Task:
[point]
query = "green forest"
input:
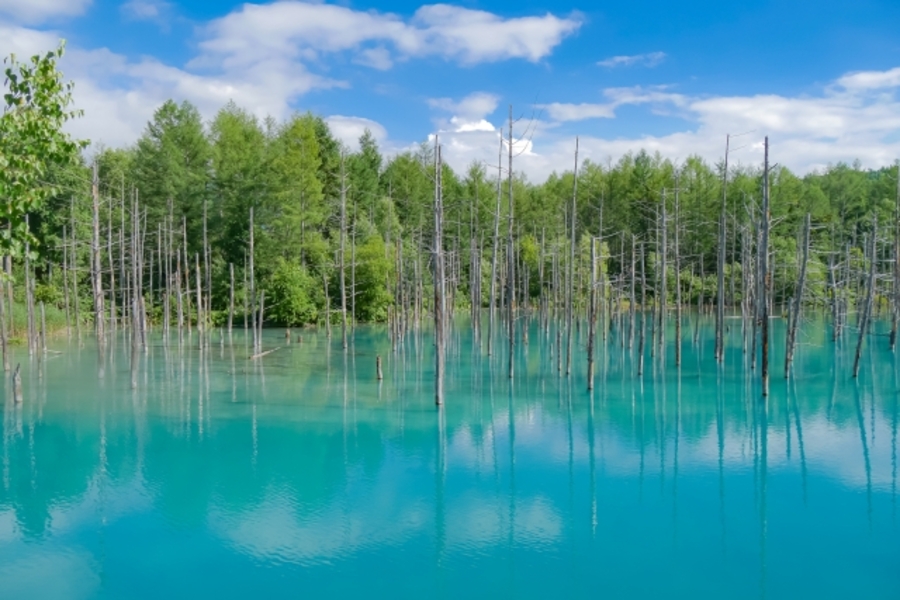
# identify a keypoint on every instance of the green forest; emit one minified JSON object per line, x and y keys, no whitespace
{"x":338,"y":232}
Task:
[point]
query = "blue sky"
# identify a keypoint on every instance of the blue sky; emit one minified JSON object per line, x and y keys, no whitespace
{"x":820,"y":78}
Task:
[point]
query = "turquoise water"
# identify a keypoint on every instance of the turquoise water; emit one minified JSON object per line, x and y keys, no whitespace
{"x":299,"y":475}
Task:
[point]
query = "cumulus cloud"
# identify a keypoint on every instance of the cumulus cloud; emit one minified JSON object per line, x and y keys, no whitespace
{"x":870,"y":80}
{"x":266,"y":56}
{"x":23,"y":41}
{"x":146,"y":10}
{"x":349,"y":129}
{"x":256,"y":32}
{"x":616,"y":97}
{"x":468,"y":114}
{"x":650,"y":59}
{"x":377,"y":58}
{"x":39,"y":11}
{"x":855,"y":117}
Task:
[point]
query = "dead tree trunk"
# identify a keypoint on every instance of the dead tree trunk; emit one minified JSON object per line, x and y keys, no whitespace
{"x":201,"y":328}
{"x":256,"y":341}
{"x":43,"y":329}
{"x":510,"y":255}
{"x":439,"y":299}
{"x":870,"y":298}
{"x":206,"y":269}
{"x":342,"y":261}
{"x":663,"y":283}
{"x":112,"y":266}
{"x":96,"y":268}
{"x":677,"y":280}
{"x":230,"y":296}
{"x":570,"y":304}
{"x":495,"y":249}
{"x":798,"y":303}
{"x":29,"y":292}
{"x":592,"y":316}
{"x":643,"y":331}
{"x":261,"y":317}
{"x":895,"y":315}
{"x":720,"y":264}
{"x":632,"y":297}
{"x":4,"y":341}
{"x":765,"y":278}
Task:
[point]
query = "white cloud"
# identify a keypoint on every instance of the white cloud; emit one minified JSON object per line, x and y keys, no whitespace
{"x":349,"y":129}
{"x":40,"y":11}
{"x":468,"y":114}
{"x":145,"y":10}
{"x":477,"y":36}
{"x":856,"y":117}
{"x":255,"y":33}
{"x":265,"y":57}
{"x":24,"y":42}
{"x":616,"y":97}
{"x":650,"y":59}
{"x":871,"y":80}
{"x":560,"y":111}
{"x":475,"y":106}
{"x":377,"y":58}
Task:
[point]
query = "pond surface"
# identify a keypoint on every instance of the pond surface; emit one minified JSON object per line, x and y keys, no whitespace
{"x":300,"y":475}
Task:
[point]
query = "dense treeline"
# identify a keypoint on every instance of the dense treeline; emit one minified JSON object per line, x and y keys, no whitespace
{"x":194,"y":184}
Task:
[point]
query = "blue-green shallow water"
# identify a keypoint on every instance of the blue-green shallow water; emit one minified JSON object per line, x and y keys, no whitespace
{"x":300,"y":476}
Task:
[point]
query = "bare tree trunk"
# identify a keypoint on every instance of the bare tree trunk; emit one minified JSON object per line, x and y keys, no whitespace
{"x":206,"y":268}
{"x":495,"y":249}
{"x":230,"y":297}
{"x":895,"y":315}
{"x":29,"y":292}
{"x":201,"y":328}
{"x":343,"y":266}
{"x":643,"y":333}
{"x":663,"y":284}
{"x":677,"y":279}
{"x":43,"y":329}
{"x":123,"y":279}
{"x":699,"y":303}
{"x":164,"y":279}
{"x":570,"y":305}
{"x":439,"y":299}
{"x":352,"y":315}
{"x":798,"y":302}
{"x":256,"y":341}
{"x":592,"y":318}
{"x":179,"y":301}
{"x":327,"y":307}
{"x":112,"y":267}
{"x":832,"y":288}
{"x":870,"y":297}
{"x":4,"y":340}
{"x":65,"y":245}
{"x":557,"y":284}
{"x":96,"y":268}
{"x":135,"y":302}
{"x":632,"y":298}
{"x":261,"y":317}
{"x":765,"y":277}
{"x":166,"y":274}
{"x":73,"y":263}
{"x":510,"y":255}
{"x":601,"y":280}
{"x":720,"y":274}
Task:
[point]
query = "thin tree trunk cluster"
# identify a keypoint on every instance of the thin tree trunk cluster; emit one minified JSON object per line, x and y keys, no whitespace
{"x":132,"y":275}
